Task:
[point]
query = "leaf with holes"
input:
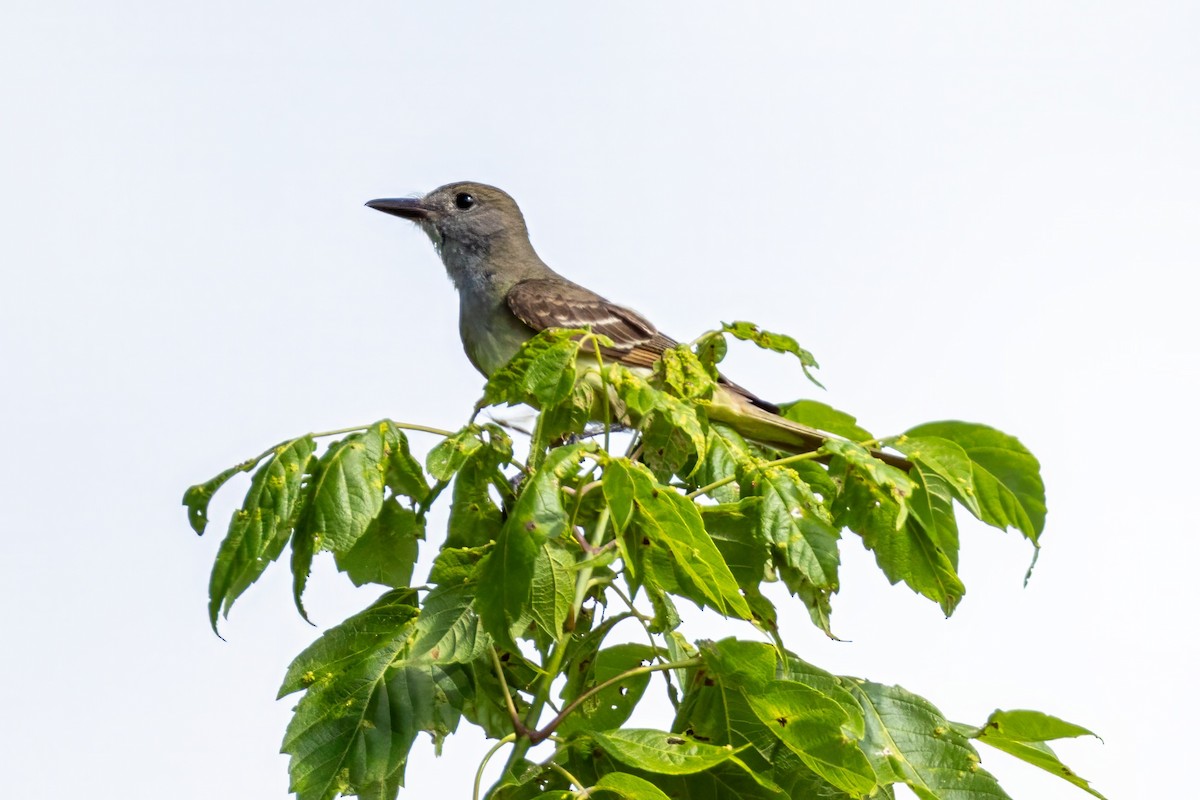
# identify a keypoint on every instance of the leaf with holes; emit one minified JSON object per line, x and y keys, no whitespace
{"x":612,"y":706}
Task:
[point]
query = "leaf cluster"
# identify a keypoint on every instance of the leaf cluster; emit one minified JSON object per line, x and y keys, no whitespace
{"x":513,"y":628}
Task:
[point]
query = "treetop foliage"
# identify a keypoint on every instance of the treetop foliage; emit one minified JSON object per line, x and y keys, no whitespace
{"x":543,"y":559}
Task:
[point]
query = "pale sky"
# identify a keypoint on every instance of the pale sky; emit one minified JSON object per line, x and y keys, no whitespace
{"x":965,"y":210}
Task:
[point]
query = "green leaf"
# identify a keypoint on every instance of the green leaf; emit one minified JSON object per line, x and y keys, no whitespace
{"x":475,"y":518}
{"x":1006,"y":475}
{"x":831,"y":686}
{"x":882,"y":478}
{"x":484,"y":707}
{"x":733,"y":781}
{"x":667,"y":519}
{"x":673,"y":437}
{"x":875,"y":502}
{"x":610,"y":707}
{"x":528,"y":781}
{"x":197,"y":497}
{"x":507,"y":572}
{"x":735,"y":530}
{"x":947,"y":460}
{"x":793,"y":520}
{"x":541,"y":372}
{"x":902,"y":547}
{"x":762,"y":611}
{"x":568,"y":421}
{"x":711,"y":349}
{"x":360,"y":638}
{"x":815,"y":728}
{"x":673,"y":431}
{"x":448,"y":630}
{"x":1023,"y":725}
{"x":680,"y":373}
{"x":456,"y":565}
{"x":539,"y":510}
{"x":816,"y":414}
{"x":909,"y":741}
{"x":633,"y":391}
{"x":346,"y":490}
{"x":798,"y":781}
{"x":619,"y":492}
{"x":715,"y":708}
{"x":777,"y":342}
{"x":933,"y":511}
{"x":403,"y":473}
{"x":448,"y":456}
{"x":345,"y":494}
{"x":304,"y":548}
{"x":659,"y":751}
{"x":1024,"y":734}
{"x":728,"y":780}
{"x":260,"y":529}
{"x":666,"y":615}
{"x":726,"y":454}
{"x":552,"y":589}
{"x":551,"y":373}
{"x":804,"y":543}
{"x":387,"y":550}
{"x":743,"y":663}
{"x":581,"y":652}
{"x":628,"y":786}
{"x":349,"y":729}
{"x":823,"y":730}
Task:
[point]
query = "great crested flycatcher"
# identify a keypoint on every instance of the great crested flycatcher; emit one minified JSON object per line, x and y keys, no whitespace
{"x":506,"y":294}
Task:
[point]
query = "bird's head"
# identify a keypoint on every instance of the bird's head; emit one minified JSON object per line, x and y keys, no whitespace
{"x":466,"y":216}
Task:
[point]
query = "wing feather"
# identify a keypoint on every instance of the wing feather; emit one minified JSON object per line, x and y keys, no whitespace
{"x":541,"y":303}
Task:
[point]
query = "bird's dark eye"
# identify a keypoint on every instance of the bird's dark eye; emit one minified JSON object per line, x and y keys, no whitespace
{"x":464,"y":200}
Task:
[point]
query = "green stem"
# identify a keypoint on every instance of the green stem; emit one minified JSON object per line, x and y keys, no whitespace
{"x":580,"y":493}
{"x":585,"y":575}
{"x":562,"y":771}
{"x":488,"y":757}
{"x":658,"y":651}
{"x":408,"y":426}
{"x":526,"y":740}
{"x":551,"y":668}
{"x":554,"y":662}
{"x":519,"y":728}
{"x":428,"y":502}
{"x":537,"y":446}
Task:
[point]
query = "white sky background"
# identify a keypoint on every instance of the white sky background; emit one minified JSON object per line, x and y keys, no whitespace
{"x":976,"y":211}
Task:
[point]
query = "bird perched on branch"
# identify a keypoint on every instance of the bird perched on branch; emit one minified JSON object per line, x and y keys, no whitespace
{"x":507,"y":294}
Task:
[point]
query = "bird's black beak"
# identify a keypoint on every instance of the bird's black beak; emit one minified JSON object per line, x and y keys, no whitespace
{"x":405,"y":207}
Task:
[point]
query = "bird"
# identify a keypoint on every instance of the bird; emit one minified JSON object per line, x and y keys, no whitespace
{"x":507,"y":294}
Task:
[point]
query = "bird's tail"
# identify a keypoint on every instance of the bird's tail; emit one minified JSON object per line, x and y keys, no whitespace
{"x":773,"y":430}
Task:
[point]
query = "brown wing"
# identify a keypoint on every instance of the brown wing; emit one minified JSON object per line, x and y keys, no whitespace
{"x":541,"y":304}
